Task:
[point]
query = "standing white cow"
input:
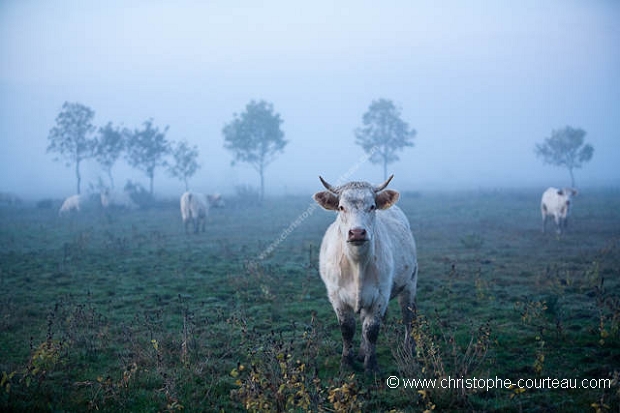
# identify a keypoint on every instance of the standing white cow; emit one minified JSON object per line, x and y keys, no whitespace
{"x":557,"y":204}
{"x":72,"y":203}
{"x":368,"y":256}
{"x":195,"y":207}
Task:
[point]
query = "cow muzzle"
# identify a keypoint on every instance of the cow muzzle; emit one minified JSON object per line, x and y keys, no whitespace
{"x":357,"y":236}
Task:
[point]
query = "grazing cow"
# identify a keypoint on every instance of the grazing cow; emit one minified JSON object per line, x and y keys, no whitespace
{"x":557,"y":204}
{"x":195,"y":207}
{"x":72,"y":203}
{"x":117,"y":199}
{"x":368,"y":256}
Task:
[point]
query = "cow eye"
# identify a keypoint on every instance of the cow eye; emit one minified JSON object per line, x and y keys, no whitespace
{"x":340,"y":208}
{"x":372,"y":207}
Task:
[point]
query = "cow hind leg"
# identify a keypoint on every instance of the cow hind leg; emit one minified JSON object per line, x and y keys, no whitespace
{"x":407,"y":303}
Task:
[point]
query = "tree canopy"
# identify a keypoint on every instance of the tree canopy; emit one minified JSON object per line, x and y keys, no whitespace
{"x":255,"y":137}
{"x":384,"y":133}
{"x":71,"y":137}
{"x":565,"y":148}
{"x":147,"y":149}
{"x":109,"y":145}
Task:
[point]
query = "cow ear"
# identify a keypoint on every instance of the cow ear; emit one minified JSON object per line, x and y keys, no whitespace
{"x":327,"y":200}
{"x":575,"y":192}
{"x":560,"y":192}
{"x":387,"y":198}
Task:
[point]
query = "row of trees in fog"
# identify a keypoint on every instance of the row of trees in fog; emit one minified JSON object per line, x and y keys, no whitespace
{"x":254,"y":137}
{"x":75,"y":139}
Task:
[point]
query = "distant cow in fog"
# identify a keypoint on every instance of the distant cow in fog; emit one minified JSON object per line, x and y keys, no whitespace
{"x":195,"y":207}
{"x":368,"y":256}
{"x":111,"y":198}
{"x":72,"y":203}
{"x":556,"y":203}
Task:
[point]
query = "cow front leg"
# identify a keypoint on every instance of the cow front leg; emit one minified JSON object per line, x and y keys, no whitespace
{"x":558,"y":224}
{"x":371,"y":324}
{"x":346,"y":320}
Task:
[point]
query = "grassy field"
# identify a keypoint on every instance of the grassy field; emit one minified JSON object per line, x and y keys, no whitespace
{"x":125,"y":312}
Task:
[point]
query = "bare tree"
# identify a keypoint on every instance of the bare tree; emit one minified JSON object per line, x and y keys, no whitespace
{"x":71,"y":137}
{"x":565,"y":147}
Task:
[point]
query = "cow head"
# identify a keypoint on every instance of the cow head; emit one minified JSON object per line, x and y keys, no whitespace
{"x":356,"y":203}
{"x":216,"y":201}
{"x":565,"y":196}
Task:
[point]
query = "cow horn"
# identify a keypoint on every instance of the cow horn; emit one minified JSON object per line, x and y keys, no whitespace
{"x":328,"y":186}
{"x":381,"y":187}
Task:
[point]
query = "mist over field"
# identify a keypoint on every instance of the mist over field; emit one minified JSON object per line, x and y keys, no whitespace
{"x":480,"y":82}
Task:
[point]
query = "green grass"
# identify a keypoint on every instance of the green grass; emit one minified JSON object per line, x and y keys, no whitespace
{"x":124,"y":312}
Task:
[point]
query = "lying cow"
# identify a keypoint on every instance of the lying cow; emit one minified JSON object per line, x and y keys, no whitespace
{"x":556,"y":203}
{"x":195,"y":208}
{"x":72,"y":203}
{"x":368,"y":256}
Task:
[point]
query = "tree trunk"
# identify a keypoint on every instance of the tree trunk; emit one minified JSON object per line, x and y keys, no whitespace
{"x":262,"y":183}
{"x":151,"y":176}
{"x":77,"y":175}
{"x":111,"y":179}
{"x":186,"y":185}
{"x":572,"y":177}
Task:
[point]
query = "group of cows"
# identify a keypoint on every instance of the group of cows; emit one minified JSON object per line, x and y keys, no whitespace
{"x":108,"y":198}
{"x":194,"y":205}
{"x":367,"y":255}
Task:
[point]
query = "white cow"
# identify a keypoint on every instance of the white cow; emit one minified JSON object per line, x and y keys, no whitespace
{"x":368,"y":256}
{"x":195,"y":207}
{"x":117,"y":199}
{"x":72,"y":203}
{"x":557,"y":204}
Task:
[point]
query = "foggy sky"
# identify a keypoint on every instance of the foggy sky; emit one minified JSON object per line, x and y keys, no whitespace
{"x":481,"y":82}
